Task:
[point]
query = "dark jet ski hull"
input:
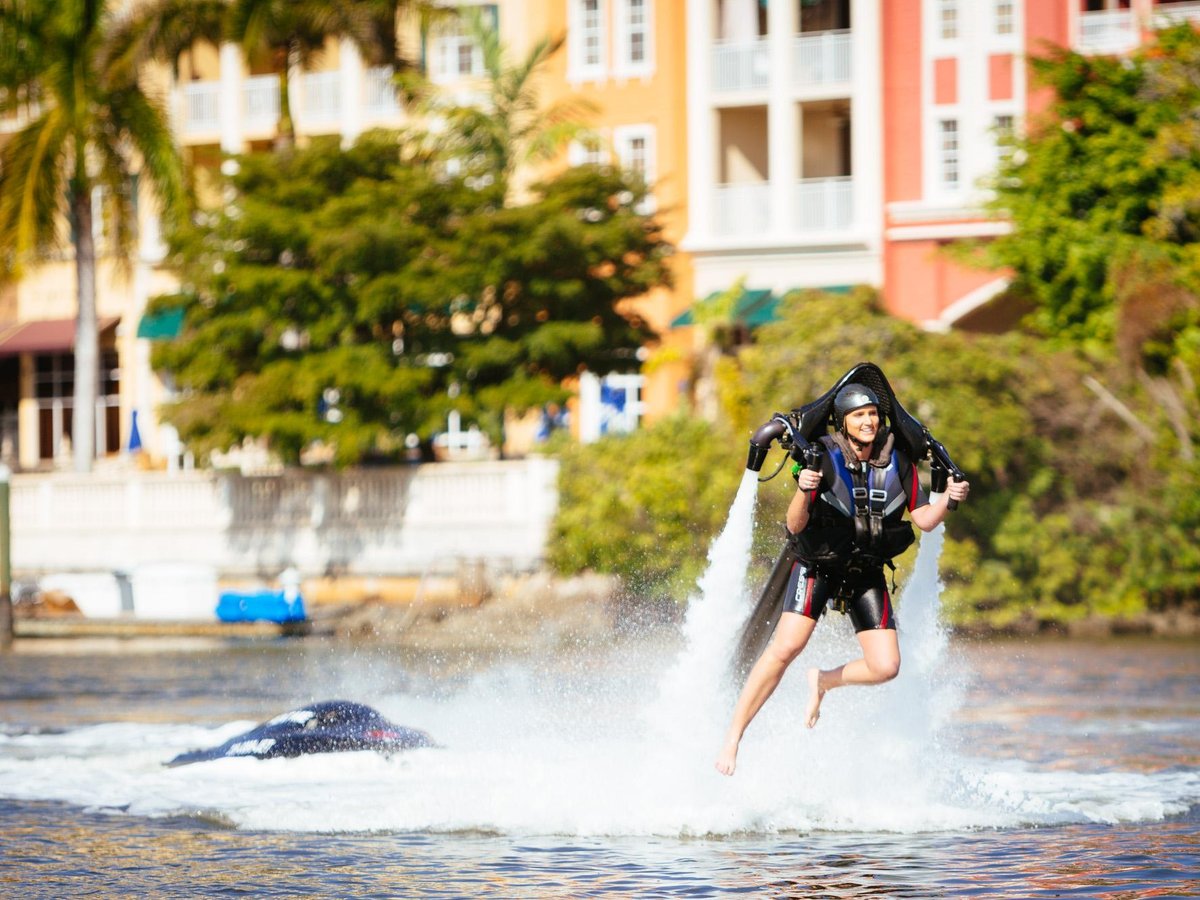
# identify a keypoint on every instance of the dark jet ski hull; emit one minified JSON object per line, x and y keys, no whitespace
{"x":334,"y":726}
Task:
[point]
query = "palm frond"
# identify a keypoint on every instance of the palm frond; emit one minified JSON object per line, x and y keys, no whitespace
{"x":33,"y":187}
{"x":162,"y":30}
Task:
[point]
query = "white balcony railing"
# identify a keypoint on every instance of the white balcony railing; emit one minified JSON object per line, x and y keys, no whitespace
{"x":320,"y":97}
{"x":824,"y":205}
{"x":821,"y":59}
{"x":201,"y":106}
{"x":741,"y":66}
{"x":261,"y":97}
{"x":1107,"y":31}
{"x":742,"y":209}
{"x":380,"y":92}
{"x":1172,"y":13}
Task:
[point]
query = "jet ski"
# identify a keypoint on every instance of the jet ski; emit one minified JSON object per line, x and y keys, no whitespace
{"x":333,"y":726}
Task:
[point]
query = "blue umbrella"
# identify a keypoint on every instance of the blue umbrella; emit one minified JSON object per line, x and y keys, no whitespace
{"x":135,"y":436}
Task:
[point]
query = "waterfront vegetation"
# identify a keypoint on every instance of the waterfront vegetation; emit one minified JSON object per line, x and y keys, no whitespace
{"x":1075,"y":513}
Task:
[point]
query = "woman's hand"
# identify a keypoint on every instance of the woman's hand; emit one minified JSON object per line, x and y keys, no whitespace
{"x":958,"y":490}
{"x":808,"y":480}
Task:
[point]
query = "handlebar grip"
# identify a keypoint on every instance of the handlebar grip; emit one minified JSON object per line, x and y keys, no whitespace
{"x":953,"y":504}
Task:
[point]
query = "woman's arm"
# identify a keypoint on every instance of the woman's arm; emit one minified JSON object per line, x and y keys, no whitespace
{"x":798,"y":509}
{"x":931,"y":515}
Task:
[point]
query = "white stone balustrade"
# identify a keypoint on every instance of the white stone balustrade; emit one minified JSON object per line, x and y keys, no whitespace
{"x":742,"y":209}
{"x":1107,"y":31}
{"x":413,"y":520}
{"x":821,"y":59}
{"x":261,"y":99}
{"x":320,"y":98}
{"x":824,"y":205}
{"x":740,"y":66}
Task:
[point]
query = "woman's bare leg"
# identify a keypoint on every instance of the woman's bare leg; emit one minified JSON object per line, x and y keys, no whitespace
{"x":880,"y":662}
{"x":791,"y":634}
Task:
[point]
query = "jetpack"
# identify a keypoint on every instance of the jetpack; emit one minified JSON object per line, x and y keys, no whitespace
{"x":798,"y":433}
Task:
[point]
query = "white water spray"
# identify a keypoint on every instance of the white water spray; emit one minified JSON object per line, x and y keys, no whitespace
{"x":693,"y":691}
{"x":618,"y":745}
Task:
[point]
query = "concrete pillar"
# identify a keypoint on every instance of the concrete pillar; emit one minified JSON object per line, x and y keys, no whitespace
{"x":229,"y":104}
{"x":866,"y":119}
{"x":702,"y":120}
{"x":350,"y":84}
{"x":782,"y":146}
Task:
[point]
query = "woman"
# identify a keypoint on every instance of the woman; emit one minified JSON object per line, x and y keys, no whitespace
{"x":846,"y":522}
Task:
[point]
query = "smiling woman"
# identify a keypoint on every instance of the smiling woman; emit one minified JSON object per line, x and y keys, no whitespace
{"x":845,"y":523}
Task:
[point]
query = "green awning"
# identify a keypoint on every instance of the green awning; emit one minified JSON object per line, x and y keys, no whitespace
{"x":746,"y":305}
{"x":754,"y":308}
{"x":161,"y":325}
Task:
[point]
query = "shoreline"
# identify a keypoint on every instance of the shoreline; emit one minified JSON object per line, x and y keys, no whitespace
{"x":534,"y":612}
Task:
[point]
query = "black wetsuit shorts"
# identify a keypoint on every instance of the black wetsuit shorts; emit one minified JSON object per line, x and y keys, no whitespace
{"x":810,"y":589}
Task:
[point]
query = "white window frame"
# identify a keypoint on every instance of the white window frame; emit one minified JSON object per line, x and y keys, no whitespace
{"x":999,"y":153}
{"x":445,"y":42}
{"x":954,"y":156}
{"x":626,"y":66}
{"x":941,"y":8}
{"x":591,"y":149}
{"x":579,"y":68}
{"x":999,"y":18}
{"x":624,"y":137}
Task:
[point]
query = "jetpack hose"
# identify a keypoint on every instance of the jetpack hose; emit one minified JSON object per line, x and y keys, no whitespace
{"x":756,"y":633}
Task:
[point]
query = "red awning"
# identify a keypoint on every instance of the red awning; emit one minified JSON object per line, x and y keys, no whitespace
{"x":45,"y":336}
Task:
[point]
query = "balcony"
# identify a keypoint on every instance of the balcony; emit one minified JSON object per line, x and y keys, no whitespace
{"x":1173,"y":13}
{"x":317,"y":103}
{"x":821,"y":208}
{"x":320,"y":99}
{"x":742,"y":209}
{"x":824,"y":205}
{"x":740,"y":66}
{"x":380,"y":99}
{"x":821,"y":59}
{"x":201,"y":107}
{"x":260,"y":98}
{"x":1107,"y":31}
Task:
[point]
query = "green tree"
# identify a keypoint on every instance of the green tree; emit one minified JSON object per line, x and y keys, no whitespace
{"x":92,"y":125}
{"x":646,"y":505}
{"x":285,"y":33}
{"x":1106,"y":179}
{"x":410,"y":293}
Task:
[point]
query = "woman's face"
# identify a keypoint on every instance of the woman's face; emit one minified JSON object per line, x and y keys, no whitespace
{"x":863,"y":424}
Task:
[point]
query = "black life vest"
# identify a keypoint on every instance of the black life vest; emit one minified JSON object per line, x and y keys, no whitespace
{"x":858,"y":519}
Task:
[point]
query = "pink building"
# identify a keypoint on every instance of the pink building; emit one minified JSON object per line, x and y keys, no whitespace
{"x":839,"y":142}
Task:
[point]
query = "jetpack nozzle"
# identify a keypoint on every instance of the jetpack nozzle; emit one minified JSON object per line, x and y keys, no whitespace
{"x":761,"y":440}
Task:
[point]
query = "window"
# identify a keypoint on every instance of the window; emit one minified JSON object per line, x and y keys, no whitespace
{"x":634,"y":147}
{"x":947,"y":21}
{"x":1002,"y":129}
{"x":634,"y":35}
{"x":948,"y":153}
{"x":587,"y":150}
{"x":586,"y":48}
{"x":1004,"y":16}
{"x":453,"y":55}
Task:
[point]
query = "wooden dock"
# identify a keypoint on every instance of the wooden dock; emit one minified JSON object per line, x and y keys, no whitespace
{"x":80,"y":627}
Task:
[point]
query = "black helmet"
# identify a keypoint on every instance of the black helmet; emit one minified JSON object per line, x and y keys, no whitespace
{"x":853,"y":396}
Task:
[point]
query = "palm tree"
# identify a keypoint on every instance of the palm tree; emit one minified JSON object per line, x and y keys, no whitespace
{"x":510,"y":128}
{"x":92,"y":126}
{"x":289,"y":33}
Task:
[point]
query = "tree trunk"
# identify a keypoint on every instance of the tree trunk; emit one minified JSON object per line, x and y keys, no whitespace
{"x":285,"y":132}
{"x":87,"y":340}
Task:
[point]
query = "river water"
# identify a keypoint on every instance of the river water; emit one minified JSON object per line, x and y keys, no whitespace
{"x":1004,"y":769}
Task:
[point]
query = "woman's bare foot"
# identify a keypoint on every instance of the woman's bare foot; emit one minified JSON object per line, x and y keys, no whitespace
{"x":727,"y":761}
{"x":815,"y":695}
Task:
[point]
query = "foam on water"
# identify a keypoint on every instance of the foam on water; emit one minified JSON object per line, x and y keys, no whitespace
{"x":622,"y":745}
